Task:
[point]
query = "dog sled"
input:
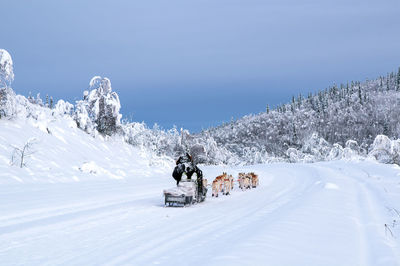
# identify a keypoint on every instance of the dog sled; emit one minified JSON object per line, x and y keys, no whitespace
{"x":187,"y":192}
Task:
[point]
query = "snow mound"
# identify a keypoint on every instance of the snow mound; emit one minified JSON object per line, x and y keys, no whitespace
{"x":92,"y":168}
{"x":331,"y":186}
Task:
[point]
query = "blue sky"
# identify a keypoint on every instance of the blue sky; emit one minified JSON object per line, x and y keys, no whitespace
{"x":198,"y":63}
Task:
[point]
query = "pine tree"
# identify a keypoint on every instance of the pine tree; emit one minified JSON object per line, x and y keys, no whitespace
{"x":47,"y":100}
{"x":387,"y":83}
{"x":38,"y":100}
{"x":398,"y":80}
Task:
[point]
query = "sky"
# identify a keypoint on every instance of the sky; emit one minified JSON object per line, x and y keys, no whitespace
{"x":196,"y":64}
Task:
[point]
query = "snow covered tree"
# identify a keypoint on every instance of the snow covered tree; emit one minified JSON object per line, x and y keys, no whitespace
{"x":396,"y":151}
{"x":51,"y":104}
{"x":7,"y":95}
{"x":6,"y":69}
{"x":81,"y":116}
{"x":336,"y":153}
{"x":39,"y":100}
{"x":198,"y":153}
{"x":351,"y":150}
{"x":63,"y":108}
{"x":99,"y":108}
{"x":381,"y":149}
{"x":398,"y":80}
{"x":293,"y":154}
{"x":317,"y":146}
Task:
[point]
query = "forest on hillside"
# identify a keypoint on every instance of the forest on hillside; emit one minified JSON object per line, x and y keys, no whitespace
{"x":357,"y":111}
{"x":356,"y":119}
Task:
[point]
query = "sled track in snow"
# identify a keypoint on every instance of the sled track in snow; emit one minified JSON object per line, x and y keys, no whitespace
{"x":223,"y":227}
{"x":306,"y":214}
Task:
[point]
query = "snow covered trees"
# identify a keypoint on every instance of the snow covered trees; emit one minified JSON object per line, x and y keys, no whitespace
{"x":6,"y":69}
{"x":338,"y":122}
{"x":356,"y":111}
{"x":81,"y":115}
{"x":64,"y":108}
{"x":385,"y":150}
{"x":7,"y":95}
{"x":336,"y":152}
{"x":99,"y":108}
{"x":317,"y":147}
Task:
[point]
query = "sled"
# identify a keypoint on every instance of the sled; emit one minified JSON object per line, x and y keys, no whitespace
{"x":186,"y":193}
{"x":178,"y":200}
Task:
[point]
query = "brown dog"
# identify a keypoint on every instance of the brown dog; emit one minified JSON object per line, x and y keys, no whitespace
{"x":254,"y":180}
{"x":218,"y":185}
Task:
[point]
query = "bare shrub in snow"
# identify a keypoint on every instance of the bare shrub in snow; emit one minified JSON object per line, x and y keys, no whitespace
{"x":20,"y":154}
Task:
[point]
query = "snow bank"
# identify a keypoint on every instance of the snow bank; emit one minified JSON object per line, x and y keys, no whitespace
{"x":65,"y":153}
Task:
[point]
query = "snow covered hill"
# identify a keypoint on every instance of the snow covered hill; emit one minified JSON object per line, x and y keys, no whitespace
{"x":333,"y":213}
{"x":61,"y":152}
{"x":357,"y":112}
{"x":337,"y":123}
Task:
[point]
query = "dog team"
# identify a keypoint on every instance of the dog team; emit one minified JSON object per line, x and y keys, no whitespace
{"x":224,"y":183}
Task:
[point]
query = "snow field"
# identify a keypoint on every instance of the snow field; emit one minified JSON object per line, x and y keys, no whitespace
{"x":301,"y":214}
{"x":64,"y":153}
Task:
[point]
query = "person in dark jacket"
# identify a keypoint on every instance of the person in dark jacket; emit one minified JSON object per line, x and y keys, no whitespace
{"x":184,"y":159}
{"x":185,"y":165}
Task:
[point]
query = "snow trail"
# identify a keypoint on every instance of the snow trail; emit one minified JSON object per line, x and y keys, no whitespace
{"x":293,"y":218}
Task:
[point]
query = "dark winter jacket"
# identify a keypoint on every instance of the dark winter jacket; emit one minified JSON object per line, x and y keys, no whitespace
{"x":185,"y":165}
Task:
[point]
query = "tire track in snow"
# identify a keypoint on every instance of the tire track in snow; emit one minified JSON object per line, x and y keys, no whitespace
{"x":372,"y":237}
{"x":70,"y":215}
{"x":138,"y":231}
{"x":230,"y":230}
{"x":370,"y":215}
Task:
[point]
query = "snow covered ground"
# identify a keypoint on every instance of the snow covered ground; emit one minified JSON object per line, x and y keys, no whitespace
{"x":88,"y":201}
{"x":302,"y":214}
